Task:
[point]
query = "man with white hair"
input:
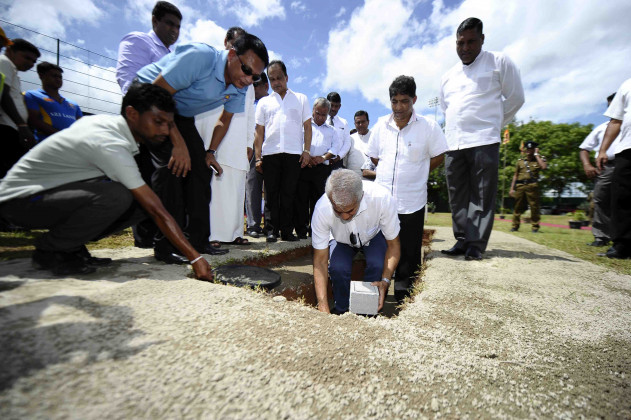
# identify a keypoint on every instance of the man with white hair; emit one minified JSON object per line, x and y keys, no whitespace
{"x":357,"y":215}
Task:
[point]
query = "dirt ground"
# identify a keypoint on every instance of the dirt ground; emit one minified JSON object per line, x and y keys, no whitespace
{"x":527,"y":332}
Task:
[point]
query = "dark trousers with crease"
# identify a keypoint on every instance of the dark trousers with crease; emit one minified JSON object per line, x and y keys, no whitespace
{"x":75,"y":213}
{"x":280,"y":175}
{"x":411,"y":238}
{"x":186,"y":198}
{"x":310,"y":189}
{"x":621,"y":202}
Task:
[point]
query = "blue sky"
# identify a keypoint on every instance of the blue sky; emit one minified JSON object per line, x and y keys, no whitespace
{"x":571,"y":54}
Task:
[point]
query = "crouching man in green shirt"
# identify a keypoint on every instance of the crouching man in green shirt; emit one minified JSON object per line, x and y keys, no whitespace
{"x":83,"y":184}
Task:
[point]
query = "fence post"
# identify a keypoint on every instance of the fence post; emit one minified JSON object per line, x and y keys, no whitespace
{"x":57,"y":51}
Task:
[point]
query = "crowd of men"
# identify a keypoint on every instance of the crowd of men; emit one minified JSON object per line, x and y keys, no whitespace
{"x":200,"y":137}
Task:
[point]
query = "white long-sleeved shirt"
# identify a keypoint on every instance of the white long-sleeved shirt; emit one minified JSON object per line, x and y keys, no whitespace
{"x":13,"y":81}
{"x":620,"y":109}
{"x":324,"y":139}
{"x":404,"y":158}
{"x":232,"y":151}
{"x":341,"y":125}
{"x":283,"y":120}
{"x":478,"y":99}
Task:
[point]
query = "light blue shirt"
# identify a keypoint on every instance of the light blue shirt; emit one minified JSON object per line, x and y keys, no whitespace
{"x":196,"y":72}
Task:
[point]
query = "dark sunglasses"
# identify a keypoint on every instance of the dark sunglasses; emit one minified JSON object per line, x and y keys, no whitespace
{"x":248,"y":71}
{"x":354,"y":239}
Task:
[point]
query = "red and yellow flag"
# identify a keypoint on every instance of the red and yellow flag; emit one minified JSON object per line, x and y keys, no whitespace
{"x":506,"y":137}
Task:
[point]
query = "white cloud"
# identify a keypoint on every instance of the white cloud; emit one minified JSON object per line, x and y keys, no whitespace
{"x":252,"y":12}
{"x":204,"y":31}
{"x":340,"y":13}
{"x":571,"y":54}
{"x":299,"y":79}
{"x":298,"y":6}
{"x":140,"y":11}
{"x":51,"y":17}
{"x":273,"y":55}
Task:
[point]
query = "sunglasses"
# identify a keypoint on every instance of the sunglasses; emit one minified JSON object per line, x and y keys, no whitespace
{"x":248,"y":71}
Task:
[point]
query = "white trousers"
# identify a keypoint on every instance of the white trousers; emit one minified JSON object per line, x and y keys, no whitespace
{"x":227,"y":204}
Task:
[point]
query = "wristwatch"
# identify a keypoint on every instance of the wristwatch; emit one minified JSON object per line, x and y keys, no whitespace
{"x":386,"y":280}
{"x":212,"y":152}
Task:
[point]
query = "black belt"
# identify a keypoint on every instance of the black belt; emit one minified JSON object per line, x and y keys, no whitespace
{"x":527,"y":181}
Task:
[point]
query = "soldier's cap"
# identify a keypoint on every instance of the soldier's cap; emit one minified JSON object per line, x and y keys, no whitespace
{"x":4,"y":40}
{"x":531,"y":144}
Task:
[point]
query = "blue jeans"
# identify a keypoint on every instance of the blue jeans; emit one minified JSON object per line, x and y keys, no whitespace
{"x":341,"y":262}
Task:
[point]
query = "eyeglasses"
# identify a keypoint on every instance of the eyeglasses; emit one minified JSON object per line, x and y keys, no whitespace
{"x":355,"y":239}
{"x":248,"y":71}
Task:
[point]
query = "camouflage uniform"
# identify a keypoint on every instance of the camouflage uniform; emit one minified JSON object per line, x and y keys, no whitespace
{"x":527,"y":191}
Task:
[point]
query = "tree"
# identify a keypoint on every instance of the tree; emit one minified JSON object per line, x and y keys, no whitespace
{"x":558,"y":143}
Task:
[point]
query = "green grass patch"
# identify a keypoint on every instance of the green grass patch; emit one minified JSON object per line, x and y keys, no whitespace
{"x":572,"y":241}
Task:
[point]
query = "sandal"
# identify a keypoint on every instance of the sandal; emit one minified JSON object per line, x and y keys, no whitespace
{"x":238,"y":241}
{"x":216,"y":244}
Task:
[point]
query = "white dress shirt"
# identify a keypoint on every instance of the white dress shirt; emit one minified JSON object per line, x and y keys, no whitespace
{"x":356,"y":157}
{"x":377,"y":212}
{"x":620,"y":109}
{"x":478,"y":99}
{"x":13,"y":81}
{"x":404,"y":158}
{"x":341,"y":125}
{"x":324,"y":139}
{"x":594,"y":139}
{"x":283,"y":120}
{"x":232,"y":151}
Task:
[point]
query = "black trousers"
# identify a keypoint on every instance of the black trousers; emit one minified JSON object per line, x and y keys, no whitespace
{"x":310,"y":188}
{"x":280,"y":175}
{"x":411,"y":238}
{"x":145,"y":231}
{"x":75,"y":213}
{"x":621,"y":201}
{"x":186,"y":198}
{"x":12,"y":149}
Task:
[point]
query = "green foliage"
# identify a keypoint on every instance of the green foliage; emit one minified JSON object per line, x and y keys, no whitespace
{"x":558,"y":143}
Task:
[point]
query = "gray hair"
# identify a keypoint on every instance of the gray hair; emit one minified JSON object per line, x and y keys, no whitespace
{"x":344,"y":187}
{"x":322,"y":102}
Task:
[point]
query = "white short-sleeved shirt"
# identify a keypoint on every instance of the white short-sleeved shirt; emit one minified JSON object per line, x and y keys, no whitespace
{"x":479,"y":98}
{"x":404,"y":158}
{"x":94,"y":146}
{"x":283,"y":120}
{"x":377,"y":212}
{"x":341,"y":126}
{"x":324,"y":139}
{"x":620,"y":109}
{"x":13,"y":81}
{"x":594,"y":139}
{"x":356,"y":157}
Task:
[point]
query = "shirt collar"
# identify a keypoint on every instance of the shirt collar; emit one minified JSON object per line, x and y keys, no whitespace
{"x":157,"y":40}
{"x":43,"y":92}
{"x":286,"y":93}
{"x":126,"y":131}
{"x":220,"y":67}
{"x":7,"y":59}
{"x":466,"y":66}
{"x":391,"y":122}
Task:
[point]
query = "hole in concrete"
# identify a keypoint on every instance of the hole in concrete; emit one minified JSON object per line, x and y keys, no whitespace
{"x":296,"y":270}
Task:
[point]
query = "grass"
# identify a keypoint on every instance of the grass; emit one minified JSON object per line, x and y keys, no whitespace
{"x":572,"y":241}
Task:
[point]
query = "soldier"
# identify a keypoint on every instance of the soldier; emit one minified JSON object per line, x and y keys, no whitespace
{"x":525,"y":185}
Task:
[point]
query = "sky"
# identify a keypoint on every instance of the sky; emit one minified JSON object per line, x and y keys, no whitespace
{"x":571,"y":53}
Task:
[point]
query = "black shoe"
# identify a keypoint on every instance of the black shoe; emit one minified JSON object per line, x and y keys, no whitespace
{"x":617,"y":253}
{"x":473,"y":253}
{"x":169,"y":257}
{"x":598,"y":243}
{"x":535,"y":231}
{"x":514,"y":229}
{"x":289,"y":238}
{"x":90,"y":260}
{"x":303,"y":235}
{"x":271,"y":237}
{"x":253,"y":233}
{"x":212,"y":250}
{"x":453,"y":251}
{"x":61,"y":263}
